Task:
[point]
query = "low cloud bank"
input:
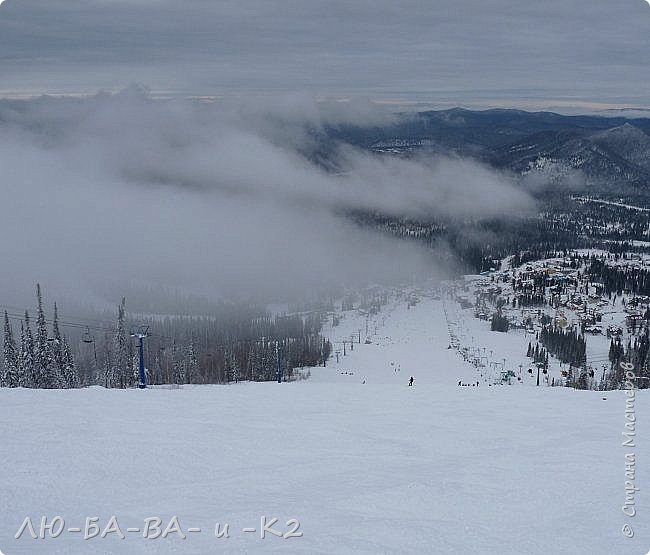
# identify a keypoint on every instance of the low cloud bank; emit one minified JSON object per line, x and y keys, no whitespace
{"x":215,"y":198}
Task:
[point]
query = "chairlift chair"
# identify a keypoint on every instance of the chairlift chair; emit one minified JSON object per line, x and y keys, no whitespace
{"x":86,"y":337}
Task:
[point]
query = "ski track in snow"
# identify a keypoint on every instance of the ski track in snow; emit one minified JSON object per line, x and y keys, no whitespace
{"x":611,"y":203}
{"x":369,"y":468}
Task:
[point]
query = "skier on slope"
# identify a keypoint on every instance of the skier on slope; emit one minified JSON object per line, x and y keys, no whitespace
{"x":411,"y":381}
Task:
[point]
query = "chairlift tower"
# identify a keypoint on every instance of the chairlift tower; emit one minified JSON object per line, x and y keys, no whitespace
{"x":141,"y":332}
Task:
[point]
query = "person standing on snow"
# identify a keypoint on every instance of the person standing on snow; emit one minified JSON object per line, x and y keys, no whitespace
{"x":411,"y":381}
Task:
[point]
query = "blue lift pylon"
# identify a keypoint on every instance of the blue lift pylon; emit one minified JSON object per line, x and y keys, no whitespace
{"x":141,"y":332}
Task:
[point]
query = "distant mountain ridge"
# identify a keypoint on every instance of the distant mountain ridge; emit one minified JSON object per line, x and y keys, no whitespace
{"x":607,"y":150}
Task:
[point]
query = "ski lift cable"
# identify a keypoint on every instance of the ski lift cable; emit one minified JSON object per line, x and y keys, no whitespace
{"x":72,"y":324}
{"x":66,"y":315}
{"x":62,"y":323}
{"x":81,"y":324}
{"x":88,"y":328}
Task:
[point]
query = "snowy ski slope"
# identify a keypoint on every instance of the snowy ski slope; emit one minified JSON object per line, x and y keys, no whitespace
{"x":374,"y":467}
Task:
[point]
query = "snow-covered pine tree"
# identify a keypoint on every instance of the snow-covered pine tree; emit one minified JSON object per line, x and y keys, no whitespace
{"x":271,"y":361}
{"x":22,"y":378}
{"x":135,"y":365}
{"x":10,"y":374}
{"x":178,"y":369}
{"x":251,"y":367}
{"x":110,"y":379}
{"x":122,"y":368}
{"x":256,"y":361}
{"x":191,"y":364}
{"x":232,"y":367}
{"x":26,"y":358}
{"x":68,"y":370}
{"x":56,"y":348}
{"x":45,"y":369}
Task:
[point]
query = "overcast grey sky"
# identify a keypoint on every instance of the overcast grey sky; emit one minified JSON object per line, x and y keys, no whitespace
{"x":495,"y":52}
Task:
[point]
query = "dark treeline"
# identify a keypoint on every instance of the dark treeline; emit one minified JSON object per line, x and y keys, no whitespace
{"x":563,"y":223}
{"x":539,"y":355}
{"x":223,"y":350}
{"x":635,"y":353}
{"x":242,"y":342}
{"x":617,"y":279}
{"x":567,"y":346}
{"x":499,"y":323}
{"x":527,"y":300}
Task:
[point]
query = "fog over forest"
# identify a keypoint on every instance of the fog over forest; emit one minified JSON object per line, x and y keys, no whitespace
{"x":114,"y":192}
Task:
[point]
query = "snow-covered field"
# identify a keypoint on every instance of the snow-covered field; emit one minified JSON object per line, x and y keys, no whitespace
{"x":374,"y":467}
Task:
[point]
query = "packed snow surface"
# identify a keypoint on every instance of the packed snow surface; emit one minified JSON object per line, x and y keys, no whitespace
{"x":374,"y":467}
